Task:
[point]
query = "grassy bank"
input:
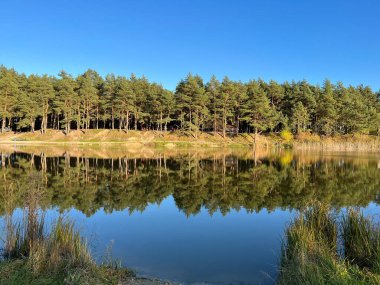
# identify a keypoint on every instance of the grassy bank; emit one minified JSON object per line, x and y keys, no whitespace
{"x":132,"y":138}
{"x":137,"y":139}
{"x":352,"y":143}
{"x":323,"y":248}
{"x":33,"y":256}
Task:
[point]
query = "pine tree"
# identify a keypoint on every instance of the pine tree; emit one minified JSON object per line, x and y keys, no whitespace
{"x":123,"y":102}
{"x":27,"y":96}
{"x":326,"y":110}
{"x":140,"y":89}
{"x":300,"y":119}
{"x":109,"y":99}
{"x":192,"y":103}
{"x":213,"y":93}
{"x":65,"y":99}
{"x":88,"y":100}
{"x":8,"y":93}
{"x":258,"y":112}
{"x":225,"y":103}
{"x":276,"y":93}
{"x":240,"y":98}
{"x":160,"y":106}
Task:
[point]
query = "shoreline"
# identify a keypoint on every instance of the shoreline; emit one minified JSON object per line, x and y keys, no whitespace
{"x":168,"y":140}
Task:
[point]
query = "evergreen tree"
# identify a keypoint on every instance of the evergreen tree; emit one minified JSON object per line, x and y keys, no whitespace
{"x":27,"y":96}
{"x":140,"y":89}
{"x":213,"y":93}
{"x":160,"y":106}
{"x":109,"y":103}
{"x":225,"y":103}
{"x":326,"y":114}
{"x":240,"y":98}
{"x":191,"y":100}
{"x":38,"y":102}
{"x":300,"y":119}
{"x":276,"y":93}
{"x":8,"y":93}
{"x":258,"y":113}
{"x":124,"y":102}
{"x":65,"y":99}
{"x":88,"y":100}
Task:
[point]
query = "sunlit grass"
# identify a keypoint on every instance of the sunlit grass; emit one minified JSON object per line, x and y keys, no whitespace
{"x":60,"y":256}
{"x":361,"y":238}
{"x":321,"y":247}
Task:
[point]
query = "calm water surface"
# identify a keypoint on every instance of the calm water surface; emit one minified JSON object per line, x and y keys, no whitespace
{"x":214,"y":217}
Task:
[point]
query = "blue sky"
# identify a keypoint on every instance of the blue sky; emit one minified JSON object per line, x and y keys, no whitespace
{"x":165,"y":40}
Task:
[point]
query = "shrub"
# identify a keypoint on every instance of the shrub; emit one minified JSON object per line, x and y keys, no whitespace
{"x":311,"y":255}
{"x":286,"y":135}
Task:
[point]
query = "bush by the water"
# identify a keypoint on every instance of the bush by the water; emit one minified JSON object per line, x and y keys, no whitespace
{"x":286,"y":135}
{"x":61,"y":256}
{"x":321,"y":247}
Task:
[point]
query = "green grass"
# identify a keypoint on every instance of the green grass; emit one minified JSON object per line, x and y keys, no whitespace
{"x":361,"y":238}
{"x":61,"y":256}
{"x":323,"y":248}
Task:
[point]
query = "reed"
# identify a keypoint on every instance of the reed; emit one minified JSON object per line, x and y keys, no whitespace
{"x":361,"y":238}
{"x":60,"y":256}
{"x":321,"y":247}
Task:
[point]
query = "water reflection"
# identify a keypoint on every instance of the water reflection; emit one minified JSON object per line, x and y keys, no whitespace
{"x":216,"y":182}
{"x":187,"y":215}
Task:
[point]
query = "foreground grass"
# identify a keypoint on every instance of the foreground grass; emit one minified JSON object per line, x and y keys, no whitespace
{"x":31,"y":256}
{"x":322,"y":248}
{"x":18,"y":271}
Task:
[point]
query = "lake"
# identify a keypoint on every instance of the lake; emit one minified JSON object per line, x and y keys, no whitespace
{"x":195,"y":216}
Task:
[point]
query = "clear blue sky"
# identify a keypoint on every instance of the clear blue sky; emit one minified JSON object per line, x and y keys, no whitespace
{"x":165,"y":40}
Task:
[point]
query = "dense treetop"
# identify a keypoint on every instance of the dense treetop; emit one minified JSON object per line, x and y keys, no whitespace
{"x":89,"y":101}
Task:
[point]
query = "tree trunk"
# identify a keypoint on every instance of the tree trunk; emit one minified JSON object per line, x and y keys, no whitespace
{"x":127,"y":122}
{"x":161,"y":121}
{"x":88,"y":118}
{"x":68,"y":123}
{"x":215,"y":130}
{"x":224,"y":123}
{"x":166,"y":125}
{"x":255,"y":137}
{"x":113,"y":119}
{"x":58,"y":122}
{"x":97,"y":117}
{"x":3,"y":124}
{"x":237,"y":125}
{"x":197,"y":126}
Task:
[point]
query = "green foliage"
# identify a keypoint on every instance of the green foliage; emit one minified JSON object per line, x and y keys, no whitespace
{"x":90,"y":101}
{"x":8,"y":93}
{"x":300,"y":118}
{"x":259,"y":113}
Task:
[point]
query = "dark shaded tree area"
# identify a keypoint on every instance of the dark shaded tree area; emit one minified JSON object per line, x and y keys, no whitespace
{"x":221,"y":184}
{"x":89,"y":101}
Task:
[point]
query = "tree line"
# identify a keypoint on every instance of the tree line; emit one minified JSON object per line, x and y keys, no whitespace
{"x":227,"y":107}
